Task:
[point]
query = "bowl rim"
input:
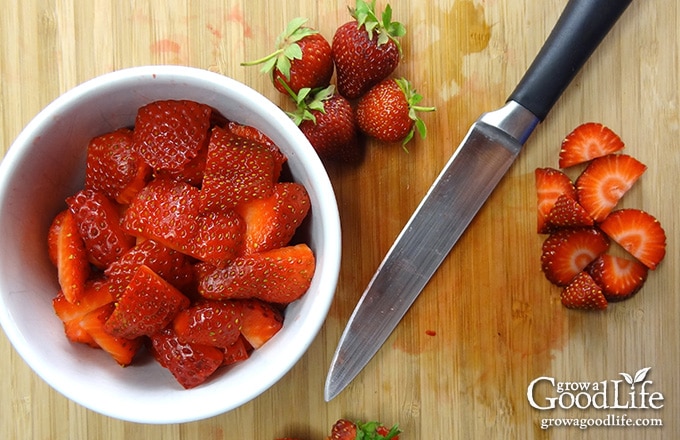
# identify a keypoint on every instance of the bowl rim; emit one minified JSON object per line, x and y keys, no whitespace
{"x":325,"y":278}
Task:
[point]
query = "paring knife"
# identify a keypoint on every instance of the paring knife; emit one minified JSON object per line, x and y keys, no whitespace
{"x":478,"y":164}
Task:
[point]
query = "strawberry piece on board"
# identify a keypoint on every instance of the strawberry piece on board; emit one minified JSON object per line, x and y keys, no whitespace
{"x":114,"y":167}
{"x":190,"y":364}
{"x":148,"y":305}
{"x":169,"y":134}
{"x":567,"y":252}
{"x":271,"y":222}
{"x":583,"y":293}
{"x":209,"y":322}
{"x":550,"y":184}
{"x":587,"y":142}
{"x":620,"y":278}
{"x":278,"y":276}
{"x":67,"y":251}
{"x":639,"y":233}
{"x":568,"y":213}
{"x":260,"y":321}
{"x":121,"y":349}
{"x":604,"y":182}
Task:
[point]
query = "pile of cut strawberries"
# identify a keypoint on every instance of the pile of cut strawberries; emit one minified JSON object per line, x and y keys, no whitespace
{"x":594,"y":251}
{"x":363,"y":53}
{"x":182,"y":240}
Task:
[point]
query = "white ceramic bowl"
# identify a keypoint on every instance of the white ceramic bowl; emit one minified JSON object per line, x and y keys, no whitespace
{"x":46,"y":163}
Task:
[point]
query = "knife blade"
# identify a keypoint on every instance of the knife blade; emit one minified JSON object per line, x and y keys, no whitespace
{"x":463,"y":186}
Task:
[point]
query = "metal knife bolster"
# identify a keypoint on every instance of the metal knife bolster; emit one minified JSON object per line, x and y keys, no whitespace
{"x":513,"y":119}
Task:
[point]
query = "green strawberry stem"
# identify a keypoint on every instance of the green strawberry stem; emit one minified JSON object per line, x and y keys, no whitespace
{"x":384,"y":27}
{"x":413,"y":98}
{"x":307,"y":100}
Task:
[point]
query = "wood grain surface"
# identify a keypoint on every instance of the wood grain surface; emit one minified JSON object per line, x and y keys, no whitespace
{"x":488,"y":324}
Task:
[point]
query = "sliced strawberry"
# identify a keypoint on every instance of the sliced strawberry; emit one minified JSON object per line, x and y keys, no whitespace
{"x":588,"y":141}
{"x":583,"y":293}
{"x":250,"y":132}
{"x":604,"y":182}
{"x":237,"y":352}
{"x":550,"y":184}
{"x":279,"y":276}
{"x":148,"y":305}
{"x":96,"y":294}
{"x":568,"y":251}
{"x":190,"y":364}
{"x":260,"y":321}
{"x":639,"y":233}
{"x":219,"y":238}
{"x":99,"y":226}
{"x":68,"y":251}
{"x":121,"y":349}
{"x":209,"y":322}
{"x":191,"y":173}
{"x":620,"y":278}
{"x":568,"y":213}
{"x":237,"y":170}
{"x":272,"y":221}
{"x":114,"y":167}
{"x":169,"y":134}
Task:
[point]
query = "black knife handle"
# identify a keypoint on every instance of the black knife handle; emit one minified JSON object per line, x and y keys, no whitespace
{"x":579,"y":30}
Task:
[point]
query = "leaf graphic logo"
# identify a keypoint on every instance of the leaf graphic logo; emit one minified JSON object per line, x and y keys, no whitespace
{"x":639,"y":377}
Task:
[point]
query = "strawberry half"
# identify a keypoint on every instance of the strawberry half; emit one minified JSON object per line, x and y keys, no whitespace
{"x":604,"y":182}
{"x":587,"y":142}
{"x":620,"y":278}
{"x":278,"y":276}
{"x":639,"y":233}
{"x":568,"y":213}
{"x":583,"y":293}
{"x":148,"y":305}
{"x":68,"y":253}
{"x":209,"y":322}
{"x":260,"y":321}
{"x":121,"y":349}
{"x":568,"y":251}
{"x":550,"y":185}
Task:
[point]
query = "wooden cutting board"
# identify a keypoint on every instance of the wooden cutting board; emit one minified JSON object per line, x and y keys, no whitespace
{"x":488,"y":324}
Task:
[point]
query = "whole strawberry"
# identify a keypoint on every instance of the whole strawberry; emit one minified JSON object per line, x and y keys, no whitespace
{"x":388,"y":111}
{"x":302,"y":58}
{"x":366,"y":50}
{"x":344,"y":429}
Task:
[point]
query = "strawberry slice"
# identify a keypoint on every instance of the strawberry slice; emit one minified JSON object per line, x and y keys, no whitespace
{"x":190,"y":364}
{"x":272,"y":221}
{"x":169,"y":134}
{"x":148,"y":305}
{"x":114,"y":167}
{"x":209,"y":322}
{"x":568,"y":251}
{"x":550,"y":184}
{"x":604,"y":182}
{"x":583,"y":293}
{"x":567,"y":213}
{"x":99,"y":226}
{"x":260,"y":321}
{"x":237,"y":170}
{"x":191,"y":173}
{"x":121,"y":349}
{"x":639,"y":233}
{"x":587,"y":142}
{"x":237,"y":352}
{"x":96,"y":294}
{"x":279,"y":276}
{"x":250,"y":132}
{"x":219,"y":238}
{"x":67,"y":251}
{"x":620,"y":278}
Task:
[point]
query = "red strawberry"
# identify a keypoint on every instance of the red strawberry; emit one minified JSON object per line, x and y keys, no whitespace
{"x":387,"y":111}
{"x":209,"y":322}
{"x":95,"y":295}
{"x":327,"y":120}
{"x":237,"y":352}
{"x":148,"y":305}
{"x":169,"y":134}
{"x":190,"y":364}
{"x":587,"y":142}
{"x":568,"y":251}
{"x":567,"y":213}
{"x":344,"y":429}
{"x":191,"y":173}
{"x":237,"y":170}
{"x":121,"y":349}
{"x":219,"y":238}
{"x":619,"y":278}
{"x":279,"y":276}
{"x":639,"y":233}
{"x":252,"y":133}
{"x":272,"y":221}
{"x":114,"y":167}
{"x":604,"y":182}
{"x":67,"y":251}
{"x":302,"y":58}
{"x":583,"y":293}
{"x":99,"y":226}
{"x":365,"y":50}
{"x":550,"y":184}
{"x":260,"y":321}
